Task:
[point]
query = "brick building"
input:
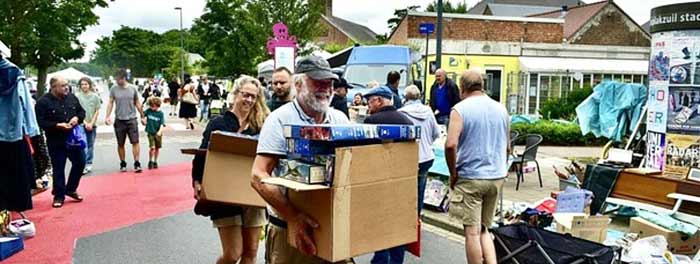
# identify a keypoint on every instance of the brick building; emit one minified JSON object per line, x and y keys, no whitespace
{"x":341,"y":31}
{"x":527,"y":60}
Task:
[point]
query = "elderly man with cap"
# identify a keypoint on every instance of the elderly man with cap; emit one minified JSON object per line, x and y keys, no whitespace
{"x":382,"y":111}
{"x":340,"y":101}
{"x":313,"y":82}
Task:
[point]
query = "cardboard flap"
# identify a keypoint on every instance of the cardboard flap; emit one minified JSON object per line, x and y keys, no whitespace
{"x":567,"y":219}
{"x":297,"y":186}
{"x":233,"y":143}
{"x":193,"y":151}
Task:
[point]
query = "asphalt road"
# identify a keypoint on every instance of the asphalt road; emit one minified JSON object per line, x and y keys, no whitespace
{"x":187,"y":238}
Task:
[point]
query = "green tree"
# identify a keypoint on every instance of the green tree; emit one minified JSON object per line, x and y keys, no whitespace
{"x":143,"y":51}
{"x":447,"y":7}
{"x":175,"y":63}
{"x":235,"y":32}
{"x":43,"y":33}
{"x":399,"y":14}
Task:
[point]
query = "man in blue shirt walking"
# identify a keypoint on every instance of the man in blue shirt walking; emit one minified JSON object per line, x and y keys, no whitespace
{"x":443,"y":96}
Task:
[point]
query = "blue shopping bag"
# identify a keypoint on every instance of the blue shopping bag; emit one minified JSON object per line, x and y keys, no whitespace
{"x":77,"y":138}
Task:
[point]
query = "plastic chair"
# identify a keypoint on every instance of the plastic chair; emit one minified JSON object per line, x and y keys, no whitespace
{"x":532,"y":142}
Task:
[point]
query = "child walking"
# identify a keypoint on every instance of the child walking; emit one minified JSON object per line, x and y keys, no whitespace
{"x":154,"y":128}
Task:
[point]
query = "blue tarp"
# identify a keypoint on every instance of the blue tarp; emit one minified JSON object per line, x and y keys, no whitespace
{"x":612,"y":110}
{"x":439,"y":165}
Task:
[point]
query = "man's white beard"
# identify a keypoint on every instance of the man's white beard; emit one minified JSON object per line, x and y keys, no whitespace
{"x":311,"y":101}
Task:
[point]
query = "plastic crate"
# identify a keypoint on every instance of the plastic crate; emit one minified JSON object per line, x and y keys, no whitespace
{"x":9,"y":246}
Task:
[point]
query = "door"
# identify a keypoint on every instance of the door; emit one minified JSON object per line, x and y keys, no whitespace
{"x":493,"y":84}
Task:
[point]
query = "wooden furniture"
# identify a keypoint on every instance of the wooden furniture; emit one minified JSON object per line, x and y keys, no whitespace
{"x":654,"y":189}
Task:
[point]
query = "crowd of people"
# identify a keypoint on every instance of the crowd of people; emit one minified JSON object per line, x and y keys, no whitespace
{"x":313,"y":94}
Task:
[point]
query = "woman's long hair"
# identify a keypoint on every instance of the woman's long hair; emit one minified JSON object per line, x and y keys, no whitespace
{"x":259,"y":112}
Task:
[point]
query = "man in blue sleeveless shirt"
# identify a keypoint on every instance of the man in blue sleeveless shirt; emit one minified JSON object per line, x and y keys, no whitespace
{"x":476,"y":153}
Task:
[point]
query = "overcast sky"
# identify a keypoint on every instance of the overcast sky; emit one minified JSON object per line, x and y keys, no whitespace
{"x":160,"y":16}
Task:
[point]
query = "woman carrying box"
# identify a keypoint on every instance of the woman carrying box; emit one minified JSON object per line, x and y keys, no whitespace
{"x":239,"y":227}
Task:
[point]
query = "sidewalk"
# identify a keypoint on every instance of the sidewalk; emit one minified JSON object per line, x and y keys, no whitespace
{"x":530,"y":191}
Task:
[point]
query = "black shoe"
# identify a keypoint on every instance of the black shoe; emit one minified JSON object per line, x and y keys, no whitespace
{"x":155,"y":165}
{"x":150,"y":165}
{"x":57,"y":203}
{"x":122,"y":166}
{"x":137,"y":167}
{"x":75,"y":196}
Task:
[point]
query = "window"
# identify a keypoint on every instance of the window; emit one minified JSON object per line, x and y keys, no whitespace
{"x":545,"y":85}
{"x":566,"y":86}
{"x":555,"y":84}
{"x":627,"y":78}
{"x":617,"y":77}
{"x":607,"y":77}
{"x":587,"y":80}
{"x":636,"y":78}
{"x":532,"y":94}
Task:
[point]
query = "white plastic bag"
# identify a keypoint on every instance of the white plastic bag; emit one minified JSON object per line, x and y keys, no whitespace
{"x":22,"y":227}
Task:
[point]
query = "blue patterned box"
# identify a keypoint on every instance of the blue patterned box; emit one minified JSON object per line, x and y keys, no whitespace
{"x":351,"y":132}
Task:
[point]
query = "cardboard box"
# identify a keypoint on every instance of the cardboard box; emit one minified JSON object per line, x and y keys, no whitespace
{"x":593,"y":228}
{"x":370,"y":206}
{"x":10,"y":246}
{"x":678,"y":243}
{"x":227,"y":170}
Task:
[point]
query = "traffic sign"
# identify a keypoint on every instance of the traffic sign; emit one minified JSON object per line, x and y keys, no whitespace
{"x":426,"y":28}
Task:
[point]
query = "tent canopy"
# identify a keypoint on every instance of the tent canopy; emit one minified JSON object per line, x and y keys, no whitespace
{"x":70,"y":74}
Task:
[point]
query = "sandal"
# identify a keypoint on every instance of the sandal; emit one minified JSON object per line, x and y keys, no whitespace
{"x":75,"y":196}
{"x":57,"y":203}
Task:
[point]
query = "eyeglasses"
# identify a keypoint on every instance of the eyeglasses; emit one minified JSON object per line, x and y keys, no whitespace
{"x":249,"y":95}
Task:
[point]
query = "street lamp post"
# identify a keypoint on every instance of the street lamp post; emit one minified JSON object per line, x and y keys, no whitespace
{"x":182,"y":48}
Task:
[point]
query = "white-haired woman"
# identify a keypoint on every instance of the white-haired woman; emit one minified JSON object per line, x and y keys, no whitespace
{"x":239,"y":227}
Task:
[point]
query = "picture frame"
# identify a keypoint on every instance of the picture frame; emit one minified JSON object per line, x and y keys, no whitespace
{"x":693,"y":174}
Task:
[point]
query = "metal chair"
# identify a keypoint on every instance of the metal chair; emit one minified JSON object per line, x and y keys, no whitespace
{"x":532,"y":142}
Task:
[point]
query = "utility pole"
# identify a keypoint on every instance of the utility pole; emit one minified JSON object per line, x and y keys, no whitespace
{"x":438,"y":47}
{"x":182,"y":48}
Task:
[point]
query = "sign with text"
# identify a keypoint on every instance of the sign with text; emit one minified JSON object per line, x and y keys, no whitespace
{"x":426,"y":28}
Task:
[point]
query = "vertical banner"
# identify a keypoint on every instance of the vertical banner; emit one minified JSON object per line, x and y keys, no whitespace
{"x":656,"y":150}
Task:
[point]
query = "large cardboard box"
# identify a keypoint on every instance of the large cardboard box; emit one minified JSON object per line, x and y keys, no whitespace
{"x":370,"y":206}
{"x":678,"y":243}
{"x":581,"y":225}
{"x":227,"y":170}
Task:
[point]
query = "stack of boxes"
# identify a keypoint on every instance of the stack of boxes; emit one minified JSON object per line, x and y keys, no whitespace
{"x":311,"y":148}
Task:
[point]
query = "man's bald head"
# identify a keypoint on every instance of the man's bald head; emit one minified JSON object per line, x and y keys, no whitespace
{"x":470,"y":81}
{"x":440,"y":76}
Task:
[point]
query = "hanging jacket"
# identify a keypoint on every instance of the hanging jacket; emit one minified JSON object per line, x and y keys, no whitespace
{"x":421,"y":115}
{"x":17,"y":118}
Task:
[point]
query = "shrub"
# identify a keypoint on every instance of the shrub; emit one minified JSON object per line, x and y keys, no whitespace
{"x":565,"y":108}
{"x":558,"y":134}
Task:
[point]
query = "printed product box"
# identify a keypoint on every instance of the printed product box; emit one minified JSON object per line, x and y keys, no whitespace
{"x":351,"y":132}
{"x":302,"y":172}
{"x":10,"y":246}
{"x":371,"y":204}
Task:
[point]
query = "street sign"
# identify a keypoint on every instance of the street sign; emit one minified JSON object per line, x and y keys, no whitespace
{"x":426,"y":28}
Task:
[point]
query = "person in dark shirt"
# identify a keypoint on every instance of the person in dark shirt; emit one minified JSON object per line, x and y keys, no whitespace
{"x":58,"y":112}
{"x":282,"y":91}
{"x":340,"y":101}
{"x":173,"y":86}
{"x":239,"y":227}
{"x":443,"y":96}
{"x":383,"y":111}
{"x":381,"y":108}
{"x":392,"y":82}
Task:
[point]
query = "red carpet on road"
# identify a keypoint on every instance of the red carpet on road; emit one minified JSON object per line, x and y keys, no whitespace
{"x":111,"y":202}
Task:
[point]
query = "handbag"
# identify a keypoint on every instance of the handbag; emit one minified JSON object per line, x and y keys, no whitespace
{"x":188,"y":97}
{"x":77,"y":138}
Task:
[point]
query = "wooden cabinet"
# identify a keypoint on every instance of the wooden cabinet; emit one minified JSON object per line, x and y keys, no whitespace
{"x":652,"y":189}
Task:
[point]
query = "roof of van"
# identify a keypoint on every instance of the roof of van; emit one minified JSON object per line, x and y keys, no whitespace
{"x":384,"y":54}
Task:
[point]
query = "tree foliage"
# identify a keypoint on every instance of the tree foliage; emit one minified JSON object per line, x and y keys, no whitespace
{"x":399,"y":14}
{"x":234,"y":33}
{"x":447,"y":7}
{"x":43,"y":33}
{"x":143,"y":51}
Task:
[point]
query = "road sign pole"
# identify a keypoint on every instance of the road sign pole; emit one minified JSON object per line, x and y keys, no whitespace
{"x":427,"y":69}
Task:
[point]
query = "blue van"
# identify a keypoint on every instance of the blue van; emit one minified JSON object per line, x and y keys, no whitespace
{"x":365,"y":64}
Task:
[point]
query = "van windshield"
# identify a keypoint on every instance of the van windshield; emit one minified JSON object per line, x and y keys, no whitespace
{"x":363,"y":74}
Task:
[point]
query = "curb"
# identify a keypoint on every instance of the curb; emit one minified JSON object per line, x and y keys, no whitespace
{"x":431,"y":218}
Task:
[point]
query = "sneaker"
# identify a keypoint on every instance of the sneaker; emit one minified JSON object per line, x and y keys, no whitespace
{"x":122,"y":166}
{"x":155,"y":165}
{"x":88,"y":169}
{"x":150,"y":165}
{"x":137,"y":167}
